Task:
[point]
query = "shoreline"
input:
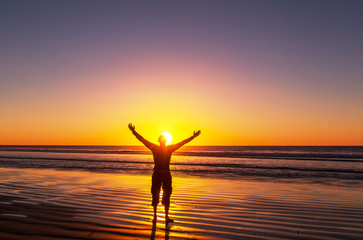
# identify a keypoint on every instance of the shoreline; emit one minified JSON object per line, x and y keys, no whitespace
{"x":58,"y":204}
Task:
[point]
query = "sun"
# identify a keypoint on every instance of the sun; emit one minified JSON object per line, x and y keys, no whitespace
{"x":168,"y":137}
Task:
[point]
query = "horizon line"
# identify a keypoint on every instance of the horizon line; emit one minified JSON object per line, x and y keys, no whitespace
{"x":115,"y":145}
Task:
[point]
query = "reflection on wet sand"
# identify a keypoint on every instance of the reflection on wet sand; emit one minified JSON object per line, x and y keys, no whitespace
{"x":70,"y":204}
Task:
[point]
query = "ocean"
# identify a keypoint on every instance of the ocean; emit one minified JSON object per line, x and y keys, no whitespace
{"x":318,"y":163}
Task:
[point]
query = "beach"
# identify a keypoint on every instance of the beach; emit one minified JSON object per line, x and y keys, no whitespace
{"x":72,"y":204}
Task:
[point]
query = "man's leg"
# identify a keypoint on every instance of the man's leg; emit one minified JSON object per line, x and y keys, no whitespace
{"x":167,"y":190}
{"x":155,"y":210}
{"x":167,"y":212}
{"x":155,"y":191}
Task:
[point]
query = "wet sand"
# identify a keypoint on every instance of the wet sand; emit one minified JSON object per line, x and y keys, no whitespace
{"x":55,"y":204}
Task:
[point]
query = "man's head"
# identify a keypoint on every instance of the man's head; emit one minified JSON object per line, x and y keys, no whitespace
{"x":162,"y":140}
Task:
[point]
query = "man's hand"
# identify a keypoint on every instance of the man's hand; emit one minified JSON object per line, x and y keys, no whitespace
{"x":132,"y":127}
{"x":196,"y":134}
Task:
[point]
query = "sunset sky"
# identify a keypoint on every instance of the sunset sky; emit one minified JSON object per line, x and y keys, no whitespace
{"x":243,"y":72}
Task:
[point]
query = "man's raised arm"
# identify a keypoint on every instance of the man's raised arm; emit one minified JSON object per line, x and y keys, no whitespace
{"x":148,"y":144}
{"x":178,"y":145}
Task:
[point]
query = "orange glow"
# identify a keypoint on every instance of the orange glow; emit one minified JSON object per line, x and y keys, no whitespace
{"x":179,"y":96}
{"x":168,"y":137}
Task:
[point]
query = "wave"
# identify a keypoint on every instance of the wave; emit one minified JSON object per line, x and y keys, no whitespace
{"x":227,"y":169}
{"x":221,"y":161}
{"x":345,"y":153}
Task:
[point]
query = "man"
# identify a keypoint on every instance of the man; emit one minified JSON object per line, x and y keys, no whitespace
{"x":161,"y":175}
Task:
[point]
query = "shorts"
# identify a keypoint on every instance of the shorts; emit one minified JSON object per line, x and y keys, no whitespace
{"x":161,"y":178}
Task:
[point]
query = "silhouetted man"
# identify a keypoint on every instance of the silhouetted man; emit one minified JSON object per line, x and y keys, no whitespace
{"x":161,"y":175}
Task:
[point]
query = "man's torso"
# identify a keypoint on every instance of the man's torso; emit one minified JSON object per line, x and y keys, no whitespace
{"x":162,"y":156}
